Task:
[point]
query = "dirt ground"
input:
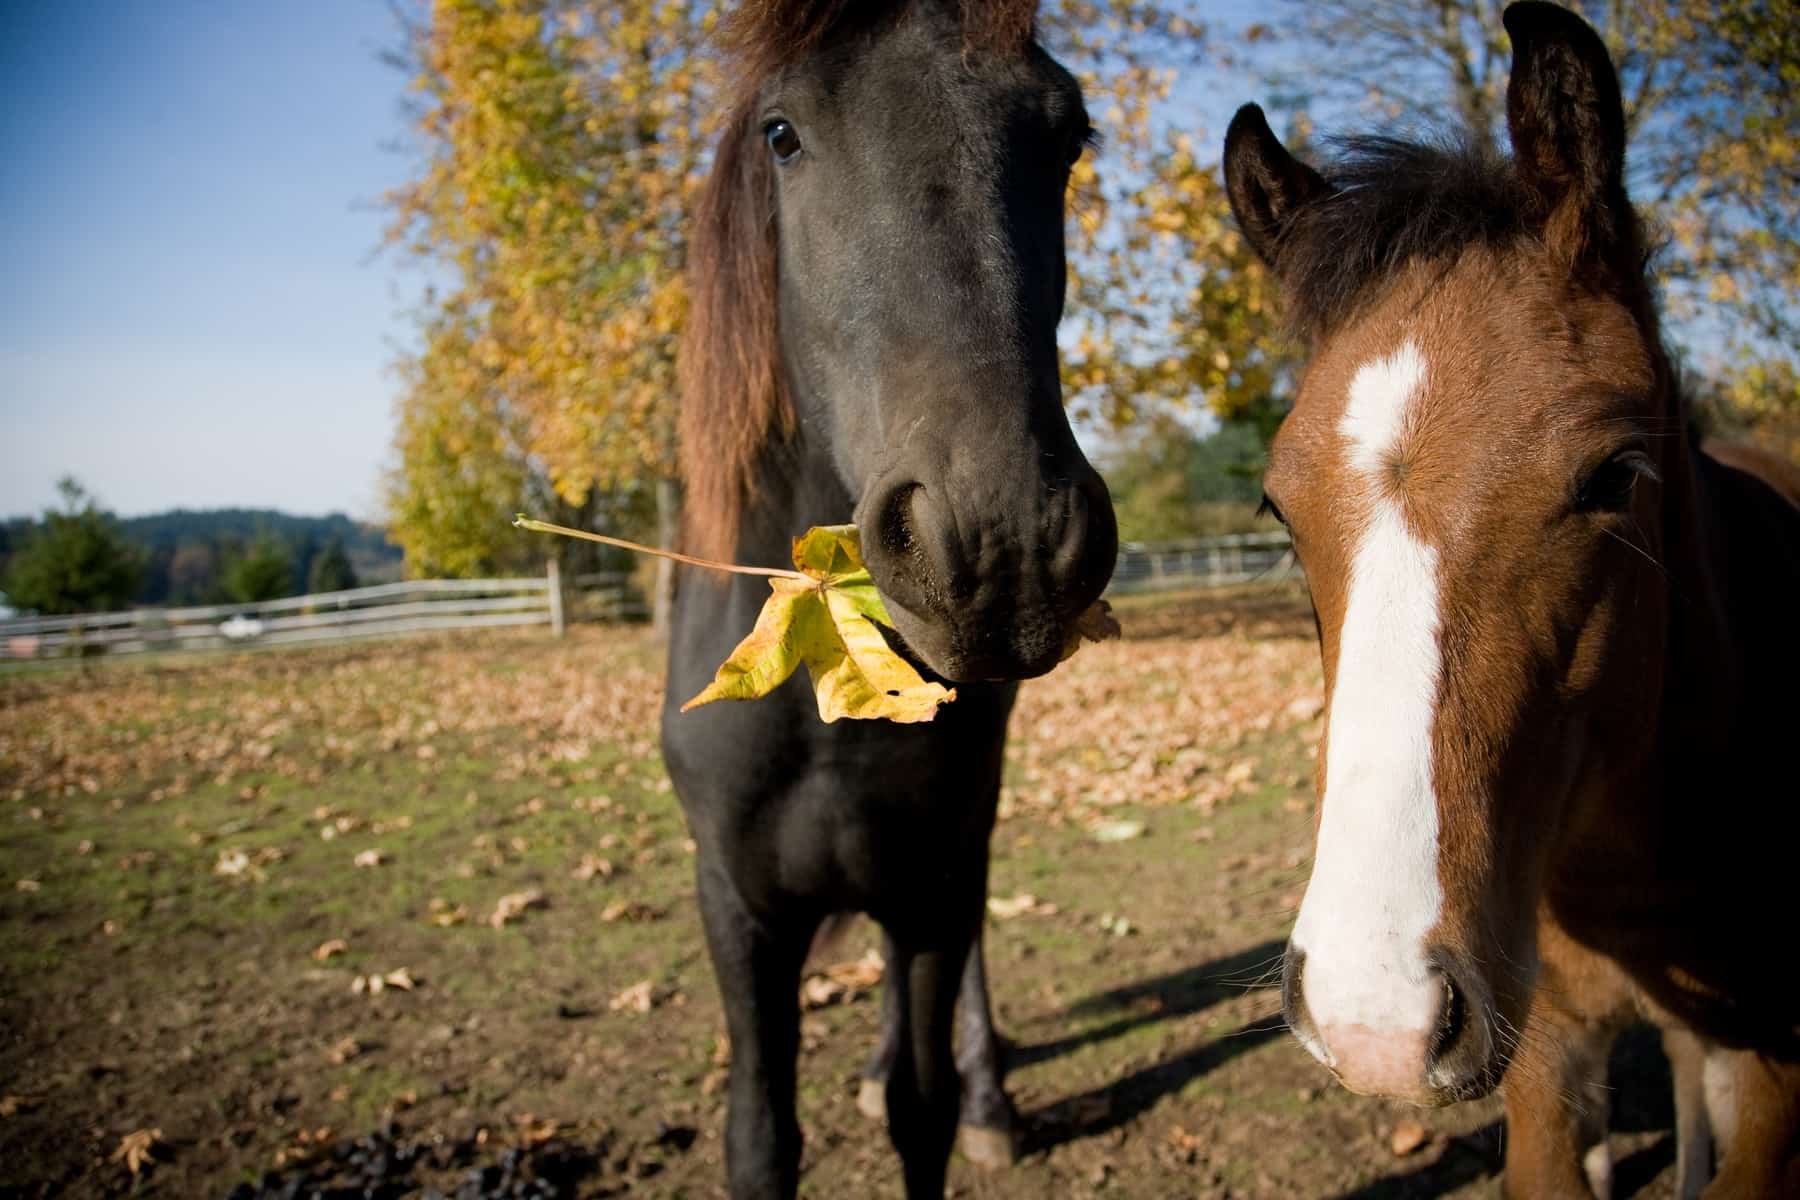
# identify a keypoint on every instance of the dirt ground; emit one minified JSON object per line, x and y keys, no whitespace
{"x":422,"y":910}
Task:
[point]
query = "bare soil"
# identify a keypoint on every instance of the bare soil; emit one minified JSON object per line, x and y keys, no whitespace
{"x":204,"y":861}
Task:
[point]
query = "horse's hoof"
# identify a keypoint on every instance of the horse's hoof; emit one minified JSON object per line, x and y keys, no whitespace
{"x":871,"y":1099}
{"x":990,"y":1148}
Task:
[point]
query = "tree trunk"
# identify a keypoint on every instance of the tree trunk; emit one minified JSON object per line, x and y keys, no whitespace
{"x":668,"y":527}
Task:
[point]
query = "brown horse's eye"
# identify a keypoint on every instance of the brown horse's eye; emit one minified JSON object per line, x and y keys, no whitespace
{"x":1608,"y":489}
{"x":783,"y":139}
{"x":1267,"y":509}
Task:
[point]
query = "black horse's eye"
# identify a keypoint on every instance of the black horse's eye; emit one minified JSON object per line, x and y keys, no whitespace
{"x":783,"y":139}
{"x":1608,"y":488}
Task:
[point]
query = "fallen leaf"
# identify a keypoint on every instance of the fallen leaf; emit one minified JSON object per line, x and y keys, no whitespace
{"x":232,"y":862}
{"x":1005,"y":908}
{"x":12,"y":1104}
{"x":592,"y":865}
{"x":343,"y":1050}
{"x":324,"y":951}
{"x":830,"y":621}
{"x":443,"y":915}
{"x":533,"y":1132}
{"x":137,"y":1150}
{"x":819,"y":991}
{"x":28,"y":885}
{"x":640,"y":997}
{"x":629,"y":910}
{"x":1407,"y":1137}
{"x":1118,"y":831}
{"x":1117,"y":926}
{"x":400,"y":979}
{"x":370,"y":858}
{"x":843,"y":981}
{"x":515,"y":904}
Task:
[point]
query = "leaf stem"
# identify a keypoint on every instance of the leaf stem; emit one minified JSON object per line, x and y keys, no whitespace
{"x":524,"y":522}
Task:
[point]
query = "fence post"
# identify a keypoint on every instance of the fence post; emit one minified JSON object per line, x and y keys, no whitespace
{"x":553,"y":585}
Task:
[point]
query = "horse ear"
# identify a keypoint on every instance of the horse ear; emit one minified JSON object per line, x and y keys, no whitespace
{"x":1567,"y":123}
{"x":1266,"y":184}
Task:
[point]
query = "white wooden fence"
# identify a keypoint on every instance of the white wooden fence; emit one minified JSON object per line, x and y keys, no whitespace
{"x":421,"y":605}
{"x":1204,"y":562}
{"x":410,"y":606}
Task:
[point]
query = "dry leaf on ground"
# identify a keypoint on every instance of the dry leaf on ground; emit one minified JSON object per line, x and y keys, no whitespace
{"x":326,"y":950}
{"x":399,"y":979}
{"x":640,"y":997}
{"x":12,"y":1104}
{"x":137,"y":1149}
{"x":1005,"y":908}
{"x":515,"y":905}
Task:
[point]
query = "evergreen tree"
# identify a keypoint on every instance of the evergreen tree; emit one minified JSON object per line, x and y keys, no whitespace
{"x":264,"y":570}
{"x":75,"y":561}
{"x":330,"y":570}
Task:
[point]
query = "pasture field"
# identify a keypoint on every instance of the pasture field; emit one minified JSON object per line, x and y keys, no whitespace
{"x":204,"y":862}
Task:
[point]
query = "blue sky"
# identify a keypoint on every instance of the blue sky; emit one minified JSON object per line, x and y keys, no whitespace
{"x":192,"y":307}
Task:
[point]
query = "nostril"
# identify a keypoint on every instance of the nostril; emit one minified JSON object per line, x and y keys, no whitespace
{"x":1087,"y":544}
{"x":894,"y":524}
{"x":1462,"y":1058}
{"x":1453,"y":1016}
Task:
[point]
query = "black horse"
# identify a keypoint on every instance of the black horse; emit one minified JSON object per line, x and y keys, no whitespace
{"x":878,"y":273}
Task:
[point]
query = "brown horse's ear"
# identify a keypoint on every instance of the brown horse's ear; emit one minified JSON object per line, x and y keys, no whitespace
{"x":1265,"y":183}
{"x":1567,"y":123}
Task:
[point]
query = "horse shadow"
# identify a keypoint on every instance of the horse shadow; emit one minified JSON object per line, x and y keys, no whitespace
{"x":1166,"y":997}
{"x":1637,"y":1072}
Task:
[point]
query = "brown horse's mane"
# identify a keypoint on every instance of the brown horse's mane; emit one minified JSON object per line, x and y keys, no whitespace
{"x":1396,"y":202}
{"x":733,"y":398}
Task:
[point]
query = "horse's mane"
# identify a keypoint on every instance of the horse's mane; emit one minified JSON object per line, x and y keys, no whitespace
{"x":733,"y":398}
{"x":1398,"y":202}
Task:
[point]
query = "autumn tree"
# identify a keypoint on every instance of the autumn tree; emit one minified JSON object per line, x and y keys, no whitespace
{"x":1715,"y":145}
{"x":562,"y":148}
{"x":563,"y":145}
{"x":75,"y":561}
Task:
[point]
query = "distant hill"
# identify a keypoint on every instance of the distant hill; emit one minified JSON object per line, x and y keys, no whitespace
{"x":187,"y":550}
{"x":181,"y":543}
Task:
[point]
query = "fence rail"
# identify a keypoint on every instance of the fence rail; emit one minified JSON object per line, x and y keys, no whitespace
{"x":1204,"y":562}
{"x":385,"y":609}
{"x":420,"y":605}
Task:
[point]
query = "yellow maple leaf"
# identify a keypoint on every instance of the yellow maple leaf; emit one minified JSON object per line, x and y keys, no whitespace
{"x":829,"y":619}
{"x":828,"y":615}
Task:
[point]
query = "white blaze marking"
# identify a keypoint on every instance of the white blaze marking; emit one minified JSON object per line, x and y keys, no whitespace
{"x":1374,"y":892}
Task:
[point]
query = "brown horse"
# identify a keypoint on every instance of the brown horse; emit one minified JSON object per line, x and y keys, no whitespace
{"x":1561,"y":644}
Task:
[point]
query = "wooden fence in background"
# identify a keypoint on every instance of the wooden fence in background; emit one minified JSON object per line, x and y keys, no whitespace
{"x":411,"y":606}
{"x":1204,"y":563}
{"x":422,"y":605}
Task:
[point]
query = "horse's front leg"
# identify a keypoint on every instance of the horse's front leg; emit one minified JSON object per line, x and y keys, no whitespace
{"x":987,"y":1136}
{"x":758,"y":969}
{"x":924,"y":1092}
{"x":988,"y":1121}
{"x":1557,"y":1100}
{"x":1753,"y":1104}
